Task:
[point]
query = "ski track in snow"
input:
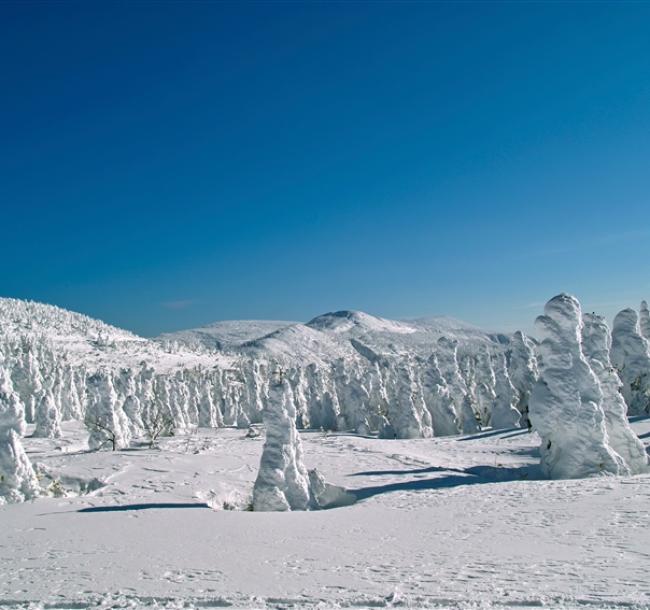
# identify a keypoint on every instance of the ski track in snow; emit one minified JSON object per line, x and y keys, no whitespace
{"x":457,"y":522}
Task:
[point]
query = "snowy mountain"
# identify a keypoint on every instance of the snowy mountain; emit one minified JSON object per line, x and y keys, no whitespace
{"x":332,"y":335}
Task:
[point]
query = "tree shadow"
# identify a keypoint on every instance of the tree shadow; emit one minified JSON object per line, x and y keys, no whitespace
{"x":519,"y":432}
{"x":475,"y":475}
{"x":635,"y":418}
{"x":489,"y":433}
{"x":129,"y":507}
{"x":371,"y":473}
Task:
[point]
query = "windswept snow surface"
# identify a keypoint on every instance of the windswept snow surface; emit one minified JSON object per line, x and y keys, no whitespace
{"x":454,"y":522}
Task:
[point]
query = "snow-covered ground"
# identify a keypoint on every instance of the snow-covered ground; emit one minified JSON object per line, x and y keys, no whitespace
{"x":444,"y":522}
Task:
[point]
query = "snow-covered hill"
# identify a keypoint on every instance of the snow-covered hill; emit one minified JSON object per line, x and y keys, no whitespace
{"x":88,"y":342}
{"x":225,"y":334}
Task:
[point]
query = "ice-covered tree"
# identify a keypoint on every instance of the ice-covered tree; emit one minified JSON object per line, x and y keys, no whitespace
{"x":407,"y":412}
{"x":504,"y":410}
{"x":438,"y":399}
{"x":468,"y":418}
{"x":566,"y":402}
{"x":484,"y":388}
{"x":209,"y":414}
{"x":644,"y":321}
{"x":27,"y":379}
{"x":447,"y":354}
{"x":352,"y":396}
{"x":48,"y":417}
{"x":324,"y":408}
{"x":630,"y":354}
{"x":12,"y":410}
{"x":282,"y":481}
{"x":18,"y":481}
{"x":596,"y":346}
{"x":107,"y":423}
{"x":523,"y":371}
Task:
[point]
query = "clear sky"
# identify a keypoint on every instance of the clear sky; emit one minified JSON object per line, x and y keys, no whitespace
{"x":166,"y":165}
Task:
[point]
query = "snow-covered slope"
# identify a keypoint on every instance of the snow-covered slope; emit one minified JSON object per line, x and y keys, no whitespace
{"x":84,"y":340}
{"x":222,"y":335}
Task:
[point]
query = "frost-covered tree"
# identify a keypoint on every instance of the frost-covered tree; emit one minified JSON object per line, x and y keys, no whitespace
{"x":484,"y":388}
{"x":504,"y":410}
{"x":209,"y":414}
{"x":377,"y":396}
{"x":282,"y":481}
{"x":438,"y":399}
{"x":630,"y":354}
{"x":596,"y":345}
{"x":468,"y":418}
{"x":48,"y":417}
{"x":71,"y":407}
{"x":352,"y":397}
{"x":27,"y":379}
{"x":644,"y":321}
{"x":255,"y":375}
{"x":447,"y":354}
{"x":12,"y":410}
{"x":324,"y":408}
{"x":523,"y":371}
{"x":566,"y":403}
{"x":106,"y":421}
{"x":407,"y":412}
{"x":18,"y":481}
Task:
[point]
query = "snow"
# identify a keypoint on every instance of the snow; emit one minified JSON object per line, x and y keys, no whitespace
{"x":453,"y":522}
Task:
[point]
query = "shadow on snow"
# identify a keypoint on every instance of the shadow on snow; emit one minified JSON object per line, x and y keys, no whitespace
{"x":127,"y":507}
{"x":475,"y":475}
{"x":488,"y":433}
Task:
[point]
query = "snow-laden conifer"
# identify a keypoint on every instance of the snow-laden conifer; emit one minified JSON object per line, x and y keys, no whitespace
{"x":566,"y":403}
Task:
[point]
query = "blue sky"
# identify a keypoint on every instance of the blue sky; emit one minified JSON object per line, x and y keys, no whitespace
{"x":167,"y":165}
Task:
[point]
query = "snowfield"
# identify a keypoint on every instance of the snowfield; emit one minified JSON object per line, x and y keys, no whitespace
{"x":453,"y":522}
